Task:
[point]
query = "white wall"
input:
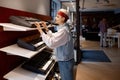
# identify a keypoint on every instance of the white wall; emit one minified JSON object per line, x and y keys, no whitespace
{"x":34,"y":6}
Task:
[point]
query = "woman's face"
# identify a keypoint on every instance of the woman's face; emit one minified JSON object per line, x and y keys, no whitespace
{"x":59,"y":19}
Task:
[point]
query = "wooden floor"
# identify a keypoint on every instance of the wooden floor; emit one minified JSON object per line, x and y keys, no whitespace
{"x":99,"y":70}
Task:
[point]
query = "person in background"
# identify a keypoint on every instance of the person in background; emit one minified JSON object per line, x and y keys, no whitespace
{"x":62,"y":42}
{"x":103,"y":32}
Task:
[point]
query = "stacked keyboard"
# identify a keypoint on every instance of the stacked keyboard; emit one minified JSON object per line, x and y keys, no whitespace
{"x":40,"y":63}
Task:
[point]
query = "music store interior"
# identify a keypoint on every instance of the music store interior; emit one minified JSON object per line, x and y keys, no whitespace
{"x":25,"y":56}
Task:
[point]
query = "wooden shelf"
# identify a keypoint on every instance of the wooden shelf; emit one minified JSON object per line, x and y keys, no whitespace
{"x":13,"y":27}
{"x":16,"y":50}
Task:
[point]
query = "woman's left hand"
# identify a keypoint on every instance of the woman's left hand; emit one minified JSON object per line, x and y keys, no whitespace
{"x":37,"y":24}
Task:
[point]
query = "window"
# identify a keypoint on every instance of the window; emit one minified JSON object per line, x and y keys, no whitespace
{"x":54,"y":7}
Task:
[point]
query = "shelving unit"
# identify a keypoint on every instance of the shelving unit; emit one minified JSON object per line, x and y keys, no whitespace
{"x":20,"y":73}
{"x":9,"y":33}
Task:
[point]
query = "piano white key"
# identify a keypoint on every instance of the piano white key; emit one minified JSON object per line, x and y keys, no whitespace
{"x":39,"y":43}
{"x":46,"y":65}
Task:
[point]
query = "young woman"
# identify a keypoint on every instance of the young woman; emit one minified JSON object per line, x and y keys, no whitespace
{"x":62,"y":42}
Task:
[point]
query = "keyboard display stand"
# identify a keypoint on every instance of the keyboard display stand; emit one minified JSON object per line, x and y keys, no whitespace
{"x":20,"y":73}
